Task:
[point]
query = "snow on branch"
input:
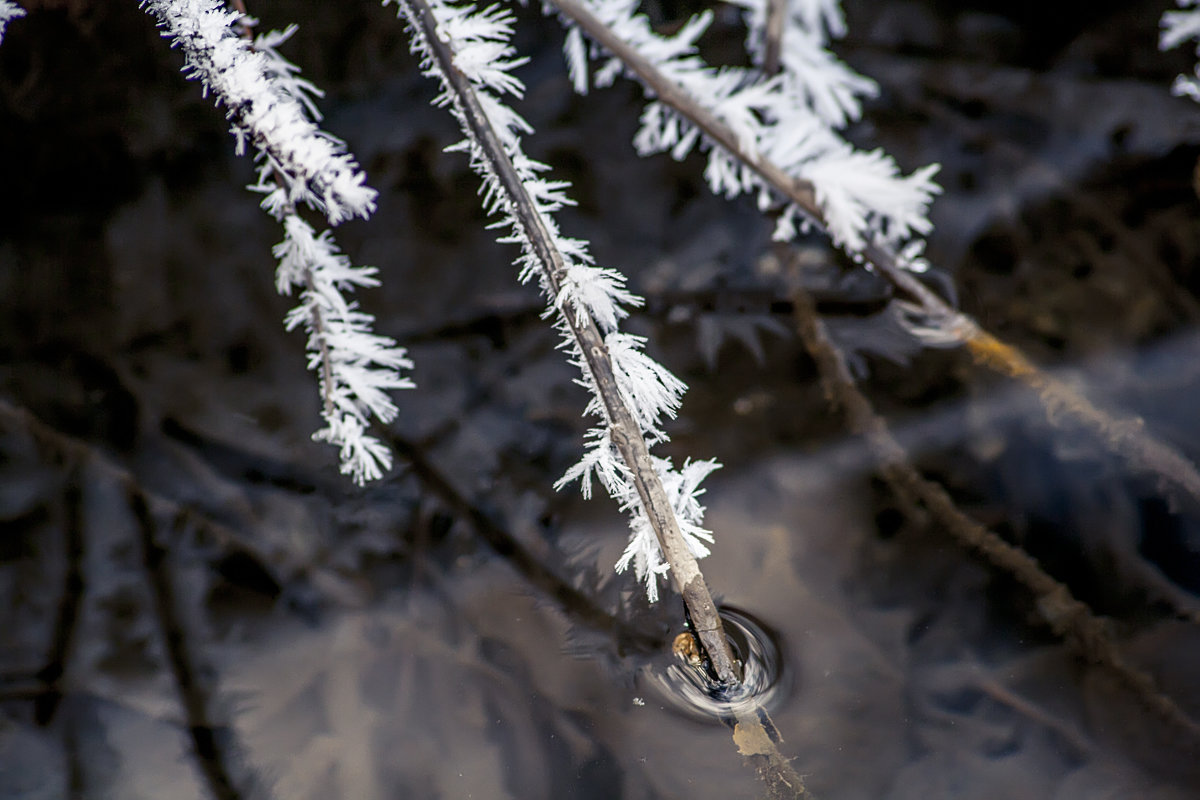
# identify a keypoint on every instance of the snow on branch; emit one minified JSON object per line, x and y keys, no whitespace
{"x":1179,"y":27}
{"x":788,"y":120}
{"x":274,"y":109}
{"x":628,"y":388}
{"x":8,"y":12}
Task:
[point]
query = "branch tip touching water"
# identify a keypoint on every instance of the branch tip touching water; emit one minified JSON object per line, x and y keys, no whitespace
{"x":531,"y":229}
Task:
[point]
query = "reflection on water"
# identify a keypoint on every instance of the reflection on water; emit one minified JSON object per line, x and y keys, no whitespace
{"x":766,"y":679}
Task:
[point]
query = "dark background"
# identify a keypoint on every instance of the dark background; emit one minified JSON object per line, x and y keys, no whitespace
{"x":386,"y":641}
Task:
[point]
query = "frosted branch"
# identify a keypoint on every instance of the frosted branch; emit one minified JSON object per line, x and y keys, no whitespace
{"x":271,"y":106}
{"x":356,"y":367}
{"x":265,"y":112}
{"x":810,"y":73}
{"x":8,"y":12}
{"x":1179,"y":27}
{"x":468,"y":52}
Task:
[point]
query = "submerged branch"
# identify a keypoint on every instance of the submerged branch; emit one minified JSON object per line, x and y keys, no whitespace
{"x":283,"y":567}
{"x":1067,"y":616}
{"x":214,"y":742}
{"x":578,"y":605}
{"x":757,"y":741}
{"x":70,"y":604}
{"x":625,"y":432}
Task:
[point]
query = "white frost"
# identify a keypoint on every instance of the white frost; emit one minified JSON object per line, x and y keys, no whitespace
{"x":791,"y":119}
{"x":266,"y":112}
{"x":8,"y":12}
{"x":355,"y":367}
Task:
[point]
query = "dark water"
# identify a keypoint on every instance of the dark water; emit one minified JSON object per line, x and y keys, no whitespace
{"x":174,"y":550}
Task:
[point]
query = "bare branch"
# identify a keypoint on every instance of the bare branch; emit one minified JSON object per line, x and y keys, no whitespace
{"x":757,"y":741}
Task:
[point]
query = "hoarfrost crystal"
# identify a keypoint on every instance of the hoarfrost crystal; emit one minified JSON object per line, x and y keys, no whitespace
{"x":810,"y":72}
{"x":264,"y":111}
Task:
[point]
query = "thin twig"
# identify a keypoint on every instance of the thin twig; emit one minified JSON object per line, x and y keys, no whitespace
{"x":323,"y":174}
{"x":213,"y":740}
{"x":1006,"y":695}
{"x":70,"y":601}
{"x":321,"y":337}
{"x":315,"y":320}
{"x":773,"y":33}
{"x":1127,"y":438}
{"x":667,"y":91}
{"x":70,"y":447}
{"x":580,"y":606}
{"x":1067,"y":616}
{"x":624,"y":431}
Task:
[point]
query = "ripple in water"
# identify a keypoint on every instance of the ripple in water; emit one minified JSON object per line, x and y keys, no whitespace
{"x":766,"y":681}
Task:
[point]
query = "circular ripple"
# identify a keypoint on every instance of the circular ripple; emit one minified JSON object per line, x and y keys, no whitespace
{"x":765,"y":678}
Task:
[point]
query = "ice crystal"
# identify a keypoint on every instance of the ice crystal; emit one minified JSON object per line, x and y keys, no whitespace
{"x":355,"y":367}
{"x":810,"y":72}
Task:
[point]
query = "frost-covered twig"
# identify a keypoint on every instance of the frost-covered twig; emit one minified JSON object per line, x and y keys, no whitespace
{"x":677,"y":78}
{"x":750,"y":166}
{"x":271,"y":107}
{"x":468,"y":51}
{"x":758,"y":132}
{"x":314,"y":165}
{"x":8,"y":12}
{"x":355,"y":367}
{"x":1177,"y":28}
{"x":668,"y":67}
